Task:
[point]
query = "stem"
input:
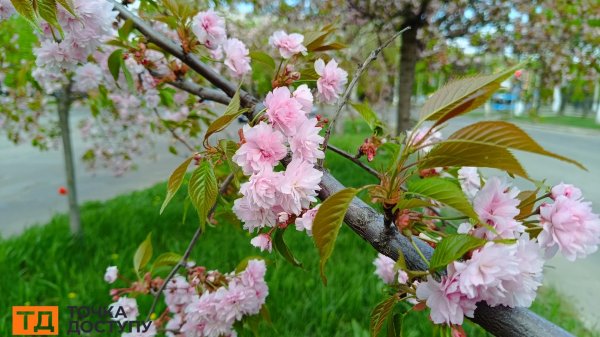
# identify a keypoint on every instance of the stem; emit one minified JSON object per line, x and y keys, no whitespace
{"x":462,"y":217}
{"x":354,"y":160}
{"x":419,"y":251}
{"x":183,"y":261}
{"x":342,"y":101}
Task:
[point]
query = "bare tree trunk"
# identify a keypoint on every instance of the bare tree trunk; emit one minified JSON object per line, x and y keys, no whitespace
{"x":64,"y":107}
{"x":406,"y":77}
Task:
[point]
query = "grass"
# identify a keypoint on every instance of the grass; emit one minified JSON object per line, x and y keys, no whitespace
{"x":43,"y":266}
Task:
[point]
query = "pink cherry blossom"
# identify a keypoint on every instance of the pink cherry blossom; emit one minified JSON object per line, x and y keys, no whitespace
{"x":263,"y":242}
{"x":305,"y":222}
{"x":306,"y":143}
{"x":469,"y":180}
{"x":209,"y":28}
{"x":263,"y":148}
{"x":299,"y":186}
{"x":262,"y":188}
{"x":6,"y":9}
{"x":384,"y":268}
{"x":129,"y":306}
{"x":331,"y":82}
{"x":288,"y":44}
{"x":253,"y":216}
{"x":237,"y":57}
{"x":111,"y":274}
{"x":570,"y":226}
{"x":496,"y":204}
{"x":424,"y":144}
{"x":284,"y":112}
{"x":178,"y":293}
{"x":304,"y":96}
{"x":566,"y":190}
{"x":87,"y":77}
{"x":448,"y":305}
{"x":487,"y":267}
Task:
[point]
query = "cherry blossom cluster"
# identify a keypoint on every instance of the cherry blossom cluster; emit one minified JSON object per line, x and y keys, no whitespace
{"x":507,"y":270}
{"x":275,"y":196}
{"x":211,"y":32}
{"x":203,"y":303}
{"x":83,"y":34}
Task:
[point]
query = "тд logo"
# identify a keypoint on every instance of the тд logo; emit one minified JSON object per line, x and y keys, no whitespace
{"x":35,"y":320}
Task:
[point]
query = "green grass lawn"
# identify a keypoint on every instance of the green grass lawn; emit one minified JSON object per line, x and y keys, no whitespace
{"x":44,"y":266}
{"x":574,"y":121}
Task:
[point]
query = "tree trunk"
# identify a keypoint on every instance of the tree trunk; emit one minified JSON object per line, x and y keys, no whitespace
{"x":64,"y":107}
{"x":406,"y":77}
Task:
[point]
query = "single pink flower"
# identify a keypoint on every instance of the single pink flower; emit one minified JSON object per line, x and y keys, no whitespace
{"x":569,"y":226}
{"x":264,"y":148}
{"x":253,"y":216}
{"x":304,"y":96}
{"x":305,"y":222}
{"x":448,"y":305}
{"x":331,"y":82}
{"x":496,"y":204}
{"x":262,"y":188}
{"x":209,"y":28}
{"x":299,"y":186}
{"x":288,"y":44}
{"x":284,"y":112}
{"x":306,"y":143}
{"x":566,"y":190}
{"x":384,"y":268}
{"x":111,"y":274}
{"x":237,"y":57}
{"x":263,"y":242}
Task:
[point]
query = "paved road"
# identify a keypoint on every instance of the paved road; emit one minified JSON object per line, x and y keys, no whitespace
{"x":29,"y":180}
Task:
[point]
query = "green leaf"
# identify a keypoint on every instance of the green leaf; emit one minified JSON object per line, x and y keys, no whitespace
{"x":463,"y":95}
{"x":26,"y":9}
{"x":126,"y":29}
{"x":369,"y":116}
{"x":203,"y":190}
{"x":282,"y":248}
{"x":68,"y":5}
{"x":327,"y":223}
{"x":330,"y":46}
{"x":114,"y":63}
{"x":503,"y":134}
{"x":400,"y":262}
{"x":380,"y":314}
{"x":527,"y":202}
{"x":143,"y":254}
{"x":411,"y":203}
{"x":452,"y":248}
{"x":444,"y":191}
{"x":47,"y":11}
{"x":175,"y":181}
{"x":263,"y":58}
{"x":472,"y":154}
{"x":168,"y":259}
{"x":231,"y":113}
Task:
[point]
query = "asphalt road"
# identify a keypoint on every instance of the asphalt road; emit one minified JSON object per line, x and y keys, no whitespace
{"x":29,"y":180}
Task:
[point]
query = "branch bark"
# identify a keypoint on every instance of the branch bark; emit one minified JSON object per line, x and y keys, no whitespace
{"x":367,"y":222}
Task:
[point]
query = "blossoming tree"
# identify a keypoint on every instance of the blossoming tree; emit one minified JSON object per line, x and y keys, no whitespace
{"x":488,"y":268}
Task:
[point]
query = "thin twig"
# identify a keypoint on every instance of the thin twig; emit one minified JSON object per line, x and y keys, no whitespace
{"x":354,"y":160}
{"x":174,"y":133}
{"x":184,"y":258}
{"x":342,"y":101}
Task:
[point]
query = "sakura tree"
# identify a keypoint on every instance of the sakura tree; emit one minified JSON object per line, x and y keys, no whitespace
{"x":452,"y":242}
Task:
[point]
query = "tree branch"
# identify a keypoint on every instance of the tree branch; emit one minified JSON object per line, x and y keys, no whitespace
{"x":342,"y":101}
{"x":354,"y":159}
{"x":175,"y":134}
{"x":368,"y":223}
{"x":202,"y":92}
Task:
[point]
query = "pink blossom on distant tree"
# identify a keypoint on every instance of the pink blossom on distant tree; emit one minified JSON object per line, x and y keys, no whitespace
{"x":87,"y":77}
